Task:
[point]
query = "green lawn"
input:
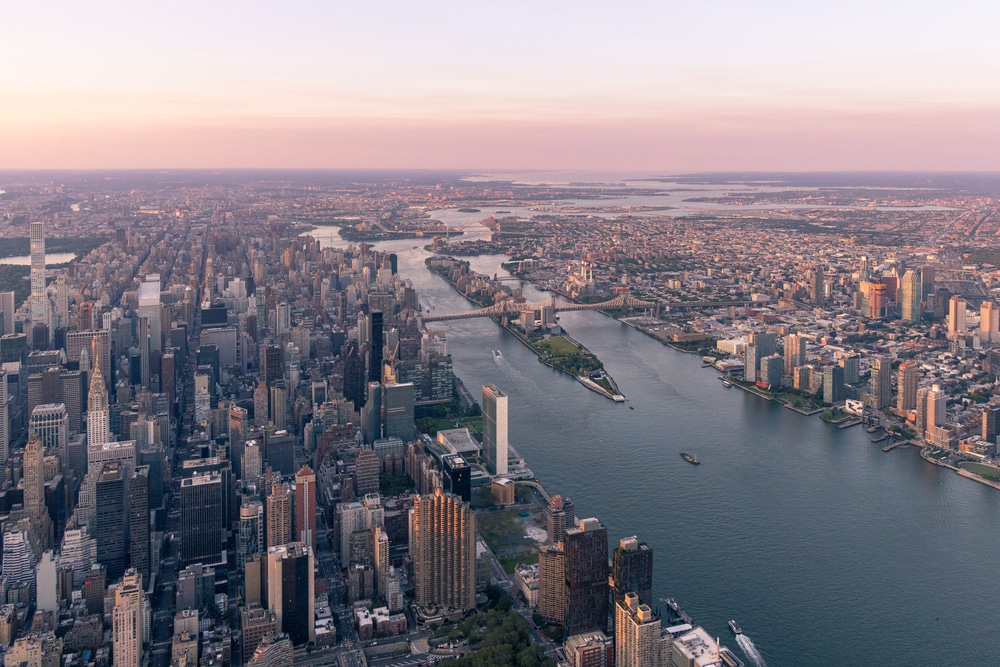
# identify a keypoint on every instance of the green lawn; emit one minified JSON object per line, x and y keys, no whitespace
{"x":495,"y":527}
{"x":986,"y":472}
{"x":557,"y":346}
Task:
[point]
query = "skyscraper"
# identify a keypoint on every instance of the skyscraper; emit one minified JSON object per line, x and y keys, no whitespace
{"x":138,"y":521}
{"x":202,"y":518}
{"x":937,"y":407}
{"x":4,"y":419}
{"x":560,"y":514}
{"x":397,"y":400}
{"x":989,"y":322}
{"x":833,"y":384}
{"x":443,"y":549}
{"x":354,"y":377}
{"x":305,"y":507}
{"x":34,"y":493}
{"x":911,"y":296}
{"x":110,"y":518}
{"x":260,"y":404}
{"x":376,"y":342}
{"x":272,"y":370}
{"x":795,"y":352}
{"x":6,"y":313}
{"x":880,"y":387}
{"x":989,"y":424}
{"x":279,"y":515}
{"x":956,"y":316}
{"x":290,"y":590}
{"x":586,"y":548}
{"x":127,"y":623}
{"x":98,"y":426}
{"x":239,"y":424}
{"x":96,"y":457}
{"x":638,"y":639}
{"x":149,"y":307}
{"x":380,"y":558}
{"x":632,"y":569}
{"x":252,"y":461}
{"x":371,"y":414}
{"x":552,"y":583}
{"x":921,"y":422}
{"x":51,"y":423}
{"x":907,"y":380}
{"x":495,"y":429}
{"x":19,"y":559}
{"x":39,"y":300}
{"x":356,"y":521}
{"x":251,"y":540}
{"x":817,"y":288}
{"x":750,"y":363}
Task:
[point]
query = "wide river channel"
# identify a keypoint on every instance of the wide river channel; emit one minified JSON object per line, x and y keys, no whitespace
{"x":825,"y":549}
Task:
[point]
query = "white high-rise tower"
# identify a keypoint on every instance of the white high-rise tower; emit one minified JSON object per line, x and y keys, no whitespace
{"x":495,"y":429}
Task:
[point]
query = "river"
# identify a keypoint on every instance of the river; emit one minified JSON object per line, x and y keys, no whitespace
{"x":824,"y":548}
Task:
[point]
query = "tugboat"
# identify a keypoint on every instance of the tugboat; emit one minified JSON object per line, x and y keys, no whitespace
{"x":690,"y":459}
{"x":735,"y":627}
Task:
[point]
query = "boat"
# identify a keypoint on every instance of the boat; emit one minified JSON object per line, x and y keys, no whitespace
{"x":727,"y":383}
{"x":690,"y":459}
{"x":497,"y":356}
{"x":735,"y":627}
{"x":708,"y":361}
{"x":631,"y":408}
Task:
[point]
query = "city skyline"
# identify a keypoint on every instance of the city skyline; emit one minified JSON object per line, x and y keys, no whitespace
{"x":645,"y":87}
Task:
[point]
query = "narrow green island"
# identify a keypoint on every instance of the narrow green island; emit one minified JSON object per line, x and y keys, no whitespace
{"x":544,"y":336}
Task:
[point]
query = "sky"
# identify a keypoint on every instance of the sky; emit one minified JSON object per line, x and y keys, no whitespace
{"x":638,"y":86}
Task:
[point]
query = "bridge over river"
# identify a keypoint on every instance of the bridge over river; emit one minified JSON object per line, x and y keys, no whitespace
{"x":625,"y":301}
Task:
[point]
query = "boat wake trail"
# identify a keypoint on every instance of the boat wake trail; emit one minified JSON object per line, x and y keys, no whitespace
{"x":750,"y":650}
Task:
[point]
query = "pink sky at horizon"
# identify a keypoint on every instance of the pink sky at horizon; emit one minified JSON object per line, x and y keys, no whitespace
{"x":888,"y":85}
{"x":782,"y":142}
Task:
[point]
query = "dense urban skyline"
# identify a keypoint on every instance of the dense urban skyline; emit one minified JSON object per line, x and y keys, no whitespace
{"x":859,"y":86}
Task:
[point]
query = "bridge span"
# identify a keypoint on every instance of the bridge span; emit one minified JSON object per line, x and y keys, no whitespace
{"x":513,"y":307}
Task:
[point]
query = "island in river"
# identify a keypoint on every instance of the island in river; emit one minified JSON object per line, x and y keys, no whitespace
{"x":544,"y":336}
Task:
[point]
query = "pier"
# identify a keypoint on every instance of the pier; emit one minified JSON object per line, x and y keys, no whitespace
{"x":901,"y":443}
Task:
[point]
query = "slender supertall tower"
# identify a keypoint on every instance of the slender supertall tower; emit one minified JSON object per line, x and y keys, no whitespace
{"x":97,"y":408}
{"x":39,"y":302}
{"x":4,"y":419}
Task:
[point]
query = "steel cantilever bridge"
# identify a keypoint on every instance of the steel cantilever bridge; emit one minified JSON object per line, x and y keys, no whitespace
{"x":513,"y":308}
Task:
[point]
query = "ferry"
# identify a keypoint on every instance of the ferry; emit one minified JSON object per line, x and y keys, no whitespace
{"x":735,"y":627}
{"x":690,"y":459}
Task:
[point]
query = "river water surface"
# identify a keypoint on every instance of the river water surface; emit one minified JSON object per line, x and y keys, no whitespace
{"x":825,"y":549}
